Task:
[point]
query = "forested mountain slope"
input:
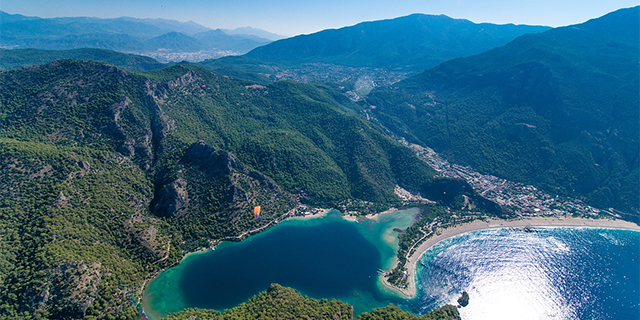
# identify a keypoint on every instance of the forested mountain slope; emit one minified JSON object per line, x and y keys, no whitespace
{"x":558,"y":109}
{"x":109,"y":176}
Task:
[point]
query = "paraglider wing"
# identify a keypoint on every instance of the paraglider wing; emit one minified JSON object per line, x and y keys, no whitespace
{"x":256,"y":212}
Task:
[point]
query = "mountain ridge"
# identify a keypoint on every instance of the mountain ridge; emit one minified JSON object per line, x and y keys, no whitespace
{"x":18,"y":58}
{"x":407,"y":42}
{"x":125,"y":34}
{"x":561,"y":105}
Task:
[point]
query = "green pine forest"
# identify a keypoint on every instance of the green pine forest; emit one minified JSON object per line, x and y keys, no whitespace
{"x":110,"y":176}
{"x":284,"y":303}
{"x":113,"y":171}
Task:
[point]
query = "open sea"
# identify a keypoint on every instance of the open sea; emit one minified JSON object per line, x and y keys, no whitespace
{"x":553,"y":273}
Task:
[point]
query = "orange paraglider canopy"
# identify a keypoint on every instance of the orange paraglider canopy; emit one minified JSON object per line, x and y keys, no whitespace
{"x":256,"y":212}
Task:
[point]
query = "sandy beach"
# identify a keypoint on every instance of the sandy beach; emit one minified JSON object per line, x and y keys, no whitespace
{"x":321,"y":212}
{"x":373,"y":217}
{"x":443,"y":234}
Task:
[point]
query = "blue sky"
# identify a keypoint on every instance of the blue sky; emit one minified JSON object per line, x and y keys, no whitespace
{"x":291,"y":17}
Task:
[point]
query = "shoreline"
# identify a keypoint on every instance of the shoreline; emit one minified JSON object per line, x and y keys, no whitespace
{"x":372,"y":217}
{"x":214,"y":243}
{"x":321,"y":213}
{"x":440,"y":234}
{"x":443,"y":234}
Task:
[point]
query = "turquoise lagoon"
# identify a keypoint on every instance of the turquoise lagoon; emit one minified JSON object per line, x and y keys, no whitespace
{"x":326,"y":257}
{"x":554,"y":273}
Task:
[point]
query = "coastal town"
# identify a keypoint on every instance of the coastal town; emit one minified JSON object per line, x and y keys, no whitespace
{"x":360,"y":76}
{"x":530,"y":205}
{"x":524,"y":200}
{"x":169,"y":56}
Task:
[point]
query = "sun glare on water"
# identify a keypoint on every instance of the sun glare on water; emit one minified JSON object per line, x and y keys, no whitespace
{"x":515,"y":291}
{"x":508,"y":275}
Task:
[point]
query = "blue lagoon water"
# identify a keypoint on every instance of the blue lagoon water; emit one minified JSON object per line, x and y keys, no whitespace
{"x":554,"y":273}
{"x":326,"y":257}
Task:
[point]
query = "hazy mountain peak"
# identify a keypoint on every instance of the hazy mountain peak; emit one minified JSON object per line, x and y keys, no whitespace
{"x":250,"y":31}
{"x":411,"y":43}
{"x":8,"y":17}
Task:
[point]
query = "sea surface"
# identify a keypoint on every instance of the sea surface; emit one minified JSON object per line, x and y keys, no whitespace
{"x":562,"y":273}
{"x":553,"y":273}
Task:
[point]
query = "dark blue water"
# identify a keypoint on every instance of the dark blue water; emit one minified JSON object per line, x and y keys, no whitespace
{"x":555,"y":273}
{"x":321,"y":261}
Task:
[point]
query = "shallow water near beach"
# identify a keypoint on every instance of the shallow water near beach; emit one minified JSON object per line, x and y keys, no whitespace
{"x":554,"y":273}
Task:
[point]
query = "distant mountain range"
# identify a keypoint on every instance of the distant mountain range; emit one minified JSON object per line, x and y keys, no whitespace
{"x":18,"y":58}
{"x":559,"y":109}
{"x":110,"y":176}
{"x":249,"y":31}
{"x":408,"y":44}
{"x":412,"y":43}
{"x":122,"y":34}
{"x":562,"y":104}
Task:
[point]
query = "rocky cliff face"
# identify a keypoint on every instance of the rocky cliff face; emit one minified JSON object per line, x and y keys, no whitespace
{"x":172,"y":199}
{"x":70,"y":288}
{"x":239,"y":188}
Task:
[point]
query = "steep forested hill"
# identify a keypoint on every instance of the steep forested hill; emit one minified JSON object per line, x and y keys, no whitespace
{"x":558,"y":109}
{"x":107,"y":176}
